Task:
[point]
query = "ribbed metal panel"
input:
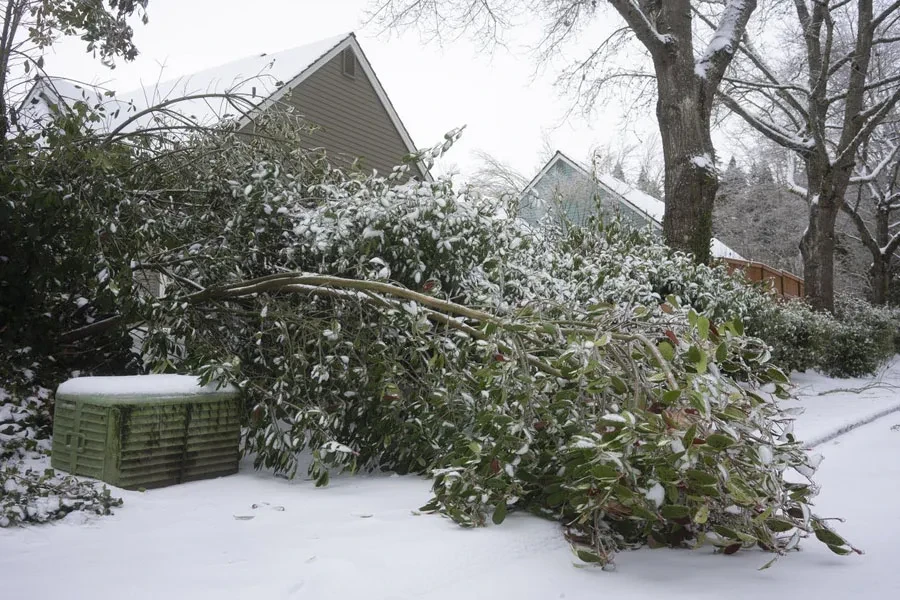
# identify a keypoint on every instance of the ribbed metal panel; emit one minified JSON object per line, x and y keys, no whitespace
{"x":147,"y":442}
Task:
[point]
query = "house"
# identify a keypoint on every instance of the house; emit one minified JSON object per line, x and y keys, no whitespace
{"x":330,"y":83}
{"x":568,"y":191}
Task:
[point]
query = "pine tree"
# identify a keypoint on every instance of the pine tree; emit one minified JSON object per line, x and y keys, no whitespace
{"x":647,"y":185}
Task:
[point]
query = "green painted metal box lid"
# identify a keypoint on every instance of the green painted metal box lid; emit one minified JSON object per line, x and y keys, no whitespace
{"x":145,"y":431}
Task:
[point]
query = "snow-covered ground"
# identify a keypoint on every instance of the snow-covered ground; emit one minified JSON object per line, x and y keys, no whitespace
{"x":361,"y":538}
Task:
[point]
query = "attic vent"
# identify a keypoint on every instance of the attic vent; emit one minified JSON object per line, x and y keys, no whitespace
{"x":348,"y":62}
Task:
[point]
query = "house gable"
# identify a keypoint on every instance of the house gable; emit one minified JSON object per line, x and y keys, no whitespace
{"x":572,"y":191}
{"x":569,"y":192}
{"x":349,"y":111}
{"x":352,"y":113}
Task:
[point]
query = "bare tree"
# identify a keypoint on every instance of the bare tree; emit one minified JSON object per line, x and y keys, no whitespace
{"x":686,"y":69}
{"x":873,"y":207}
{"x":821,"y":101}
{"x":494,"y":177}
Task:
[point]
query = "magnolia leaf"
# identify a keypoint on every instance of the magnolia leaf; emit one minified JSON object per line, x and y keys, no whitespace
{"x":842,"y":551}
{"x":829,"y":537}
{"x":499,"y":513}
{"x":779,"y":525}
{"x":674,"y":511}
{"x":703,"y":327}
{"x":719,"y":441}
{"x":702,"y":515}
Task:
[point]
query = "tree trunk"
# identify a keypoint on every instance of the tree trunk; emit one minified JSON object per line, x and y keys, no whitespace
{"x":882,"y":255}
{"x":817,"y":248}
{"x":691,"y":179}
{"x":880,"y":275}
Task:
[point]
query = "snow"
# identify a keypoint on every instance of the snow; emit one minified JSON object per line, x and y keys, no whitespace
{"x":138,"y":385}
{"x":723,"y":38}
{"x":831,"y":407}
{"x":703,"y":162}
{"x":253,"y":78}
{"x":253,"y":535}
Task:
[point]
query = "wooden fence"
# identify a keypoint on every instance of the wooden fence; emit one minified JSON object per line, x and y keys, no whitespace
{"x":783,"y":283}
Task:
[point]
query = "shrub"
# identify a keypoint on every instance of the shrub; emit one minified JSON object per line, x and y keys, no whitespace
{"x":412,"y":327}
{"x":29,"y":492}
{"x":860,"y":338}
{"x":380,"y":323}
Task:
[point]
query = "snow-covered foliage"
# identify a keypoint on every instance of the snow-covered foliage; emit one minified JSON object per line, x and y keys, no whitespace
{"x":856,"y":341}
{"x":591,"y":376}
{"x":29,"y":490}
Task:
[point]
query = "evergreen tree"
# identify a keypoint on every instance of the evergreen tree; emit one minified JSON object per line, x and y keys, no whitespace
{"x":647,"y":185}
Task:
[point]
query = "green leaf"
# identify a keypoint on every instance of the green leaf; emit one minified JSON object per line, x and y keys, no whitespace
{"x":618,"y":385}
{"x":675,"y":511}
{"x":703,"y":327}
{"x":829,"y":537}
{"x":689,"y":435}
{"x":475,"y":447}
{"x":667,"y":351}
{"x":702,"y":515}
{"x":499,"y":513}
{"x":839,"y":549}
{"x":719,"y":441}
{"x":604,"y":472}
{"x":777,"y":375}
{"x":701,"y":478}
{"x":671,"y":396}
{"x":721,"y":352}
{"x":779,"y":525}
{"x":588,"y":556}
{"x":556,"y":498}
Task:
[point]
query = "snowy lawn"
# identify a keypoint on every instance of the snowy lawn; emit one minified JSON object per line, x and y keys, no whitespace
{"x":360,"y":537}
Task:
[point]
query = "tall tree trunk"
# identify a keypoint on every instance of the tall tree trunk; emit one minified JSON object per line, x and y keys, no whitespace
{"x":880,"y":275}
{"x":817,"y":249}
{"x":691,"y":181}
{"x":880,"y":271}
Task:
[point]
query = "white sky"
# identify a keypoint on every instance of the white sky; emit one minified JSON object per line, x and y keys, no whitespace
{"x":509,"y":111}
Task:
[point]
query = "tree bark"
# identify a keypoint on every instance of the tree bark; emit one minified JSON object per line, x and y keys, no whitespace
{"x":691,"y":181}
{"x":880,"y":275}
{"x":817,"y":249}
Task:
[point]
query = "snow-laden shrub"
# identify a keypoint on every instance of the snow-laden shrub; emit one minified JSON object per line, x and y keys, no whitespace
{"x":30,"y":492}
{"x":795,"y":332}
{"x":860,"y":338}
{"x":389,"y":324}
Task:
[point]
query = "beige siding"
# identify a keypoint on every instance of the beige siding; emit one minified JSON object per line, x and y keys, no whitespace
{"x":350,"y":119}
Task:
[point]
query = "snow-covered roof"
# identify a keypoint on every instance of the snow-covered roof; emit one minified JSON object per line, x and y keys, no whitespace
{"x":257,"y":81}
{"x":629,"y":196}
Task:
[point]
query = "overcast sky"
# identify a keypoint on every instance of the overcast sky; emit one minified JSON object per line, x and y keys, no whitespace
{"x":510,"y":112}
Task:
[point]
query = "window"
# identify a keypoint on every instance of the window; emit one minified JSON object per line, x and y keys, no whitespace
{"x":348,"y":62}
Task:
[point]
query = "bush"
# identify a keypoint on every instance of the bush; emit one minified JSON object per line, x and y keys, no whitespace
{"x":590,"y":375}
{"x":860,"y":338}
{"x":28,"y":491}
{"x":412,"y":327}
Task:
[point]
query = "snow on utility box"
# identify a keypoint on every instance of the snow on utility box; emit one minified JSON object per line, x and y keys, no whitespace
{"x":145,"y":431}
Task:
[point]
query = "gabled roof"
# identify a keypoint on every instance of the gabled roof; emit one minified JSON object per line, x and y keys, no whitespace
{"x":259,"y":82}
{"x":630,"y":198}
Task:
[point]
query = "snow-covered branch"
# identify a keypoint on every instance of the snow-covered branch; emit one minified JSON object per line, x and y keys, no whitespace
{"x":641,"y":24}
{"x":792,"y":185}
{"x":713,"y":61}
{"x":878,"y":169}
{"x":767,"y":128}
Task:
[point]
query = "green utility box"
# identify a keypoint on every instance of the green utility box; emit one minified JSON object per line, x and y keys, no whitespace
{"x":145,"y":431}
